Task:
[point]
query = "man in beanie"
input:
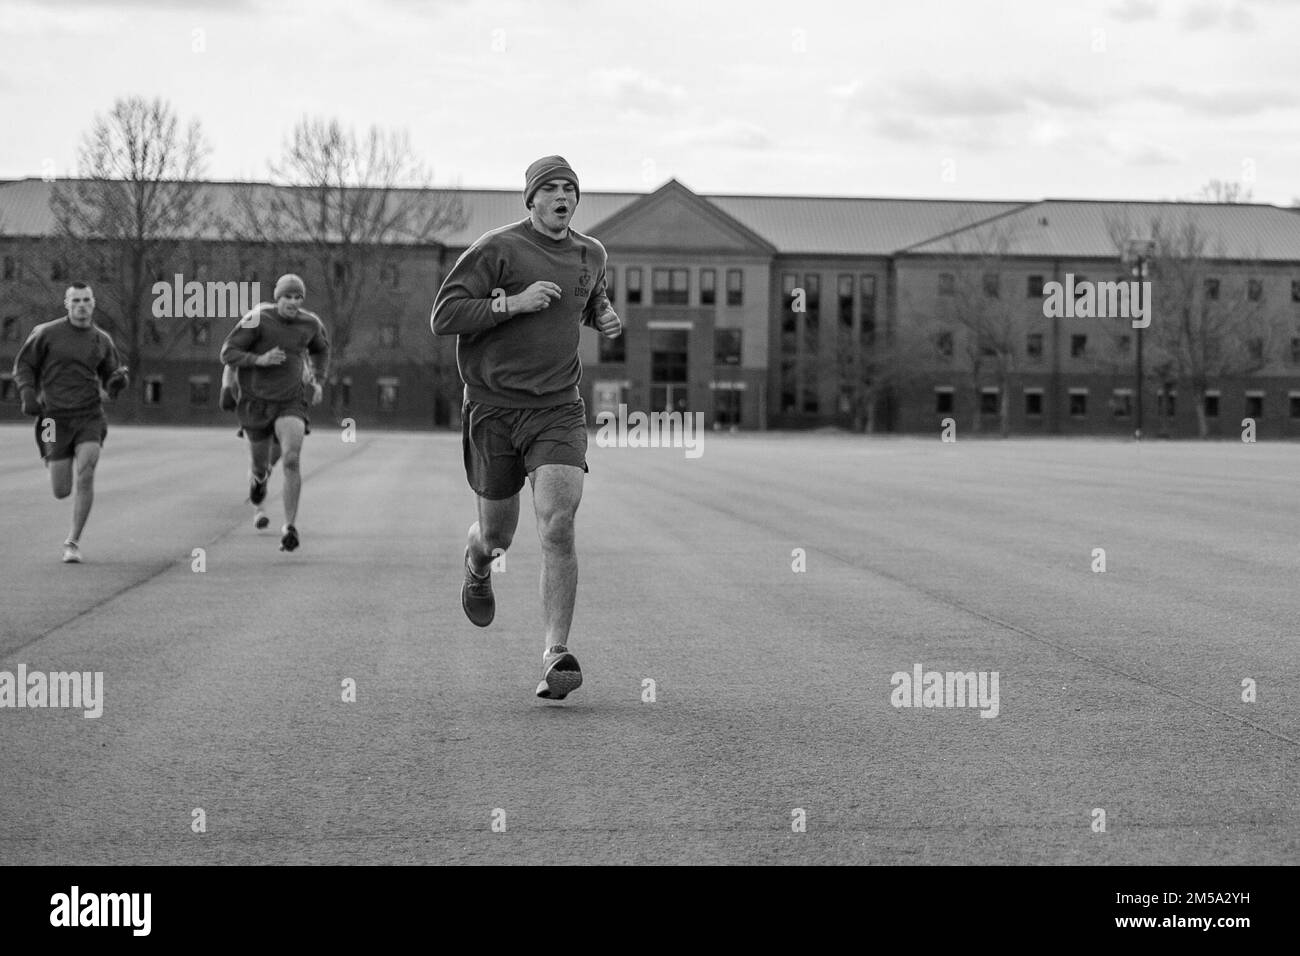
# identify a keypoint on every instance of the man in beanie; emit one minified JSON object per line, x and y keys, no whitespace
{"x":63,"y":371}
{"x":516,"y":301}
{"x":270,"y":349}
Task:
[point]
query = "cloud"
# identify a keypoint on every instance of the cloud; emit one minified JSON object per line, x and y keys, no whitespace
{"x":1224,"y":103}
{"x":732,"y":134}
{"x":1203,"y":16}
{"x":631,"y":90}
{"x":1131,"y":11}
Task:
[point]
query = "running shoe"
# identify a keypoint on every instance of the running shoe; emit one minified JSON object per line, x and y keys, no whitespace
{"x":71,"y":553}
{"x":288,"y":538}
{"x":260,"y":520}
{"x":476,"y":596}
{"x":561,"y":675}
{"x":257,"y":487}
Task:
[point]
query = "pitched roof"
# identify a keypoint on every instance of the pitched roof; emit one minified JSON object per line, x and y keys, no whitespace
{"x":1082,"y":229}
{"x":823,"y":225}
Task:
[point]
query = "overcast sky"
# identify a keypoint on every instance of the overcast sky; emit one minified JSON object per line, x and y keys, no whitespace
{"x":927,"y":98}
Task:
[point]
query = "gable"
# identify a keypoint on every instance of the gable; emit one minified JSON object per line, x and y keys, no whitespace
{"x":673,"y":218}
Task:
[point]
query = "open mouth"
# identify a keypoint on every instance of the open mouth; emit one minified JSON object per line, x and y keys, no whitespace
{"x":561,"y":210}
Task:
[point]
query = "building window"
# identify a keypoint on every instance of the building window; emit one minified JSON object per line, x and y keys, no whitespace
{"x":868,"y":307}
{"x":1033,"y":403}
{"x":1034,"y":346}
{"x":1211,"y":288}
{"x":808,"y":390}
{"x":943,"y":401}
{"x":812,"y":285}
{"x":612,"y":351}
{"x":8,"y":388}
{"x":735,"y":287}
{"x":726,"y":346}
{"x":671,"y":286}
{"x":1295,"y":405}
{"x":200,"y":390}
{"x":726,"y":406}
{"x":342,"y":274}
{"x":634,"y":286}
{"x":1254,"y":290}
{"x":1078,"y":346}
{"x":947,"y":283}
{"x":1255,"y":405}
{"x":1078,"y":403}
{"x":789,"y":387}
{"x":789,"y":285}
{"x":989,"y":404}
{"x":811,"y":318}
{"x":1035,"y":287}
{"x":844,"y":302}
{"x":708,"y":287}
{"x":10,"y":268}
{"x":1123,"y":343}
{"x":1211,"y":404}
{"x":988,"y":349}
{"x":991,"y":284}
{"x":387,"y":394}
{"x":200,"y":332}
{"x":1166,"y":402}
{"x":610,"y":290}
{"x":58,"y":271}
{"x":390,"y":275}
{"x":1255,"y":349}
{"x":12,"y":329}
{"x":1295,"y":351}
{"x":943,"y":344}
{"x":153,"y":385}
{"x":389,"y":337}
{"x":1121,"y":402}
{"x":1295,"y":290}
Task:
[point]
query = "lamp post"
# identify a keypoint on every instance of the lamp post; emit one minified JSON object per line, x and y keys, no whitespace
{"x":1137,"y":254}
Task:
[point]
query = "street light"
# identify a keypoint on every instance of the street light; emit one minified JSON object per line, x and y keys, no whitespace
{"x":1137,"y":255}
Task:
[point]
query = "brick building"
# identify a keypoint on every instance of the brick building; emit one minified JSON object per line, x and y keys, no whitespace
{"x":760,"y":311}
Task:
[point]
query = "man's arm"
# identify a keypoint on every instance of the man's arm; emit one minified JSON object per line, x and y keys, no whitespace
{"x":319,"y":349}
{"x":599,"y":312}
{"x":112,"y":373}
{"x":236,"y":349}
{"x":27,"y":372}
{"x":470,"y":299}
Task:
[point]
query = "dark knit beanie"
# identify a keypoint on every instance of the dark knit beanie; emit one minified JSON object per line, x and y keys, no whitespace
{"x":546,"y":169}
{"x":288,"y":284}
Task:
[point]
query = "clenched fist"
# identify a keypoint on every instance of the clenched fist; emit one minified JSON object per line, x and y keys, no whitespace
{"x":536,"y":297}
{"x":609,"y":324}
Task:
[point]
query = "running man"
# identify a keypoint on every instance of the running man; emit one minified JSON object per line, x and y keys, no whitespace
{"x":515,"y":300}
{"x":63,"y":371}
{"x":272,"y":343}
{"x":229,"y":402}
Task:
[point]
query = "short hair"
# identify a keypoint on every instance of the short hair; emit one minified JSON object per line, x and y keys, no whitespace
{"x":77,"y":287}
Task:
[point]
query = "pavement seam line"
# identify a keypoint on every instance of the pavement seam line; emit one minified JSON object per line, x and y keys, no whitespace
{"x":163,"y":569}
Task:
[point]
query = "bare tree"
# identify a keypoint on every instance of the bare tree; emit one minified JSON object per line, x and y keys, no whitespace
{"x":1219,"y":190}
{"x":345,"y":205}
{"x":971,"y":299}
{"x":134,"y":206}
{"x":1203,"y":327}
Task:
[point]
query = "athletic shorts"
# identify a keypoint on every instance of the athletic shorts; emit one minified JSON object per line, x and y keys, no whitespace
{"x":257,"y":417}
{"x":505,"y":445}
{"x":69,"y":432}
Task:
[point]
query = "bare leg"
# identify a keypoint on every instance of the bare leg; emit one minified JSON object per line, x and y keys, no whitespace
{"x":60,"y":477}
{"x":87,"y":458}
{"x":493,"y":531}
{"x":557,"y":491}
{"x":289,"y":429}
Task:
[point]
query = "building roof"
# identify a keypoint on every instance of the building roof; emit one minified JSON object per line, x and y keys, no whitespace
{"x":1082,"y":229}
{"x":820,"y":226}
